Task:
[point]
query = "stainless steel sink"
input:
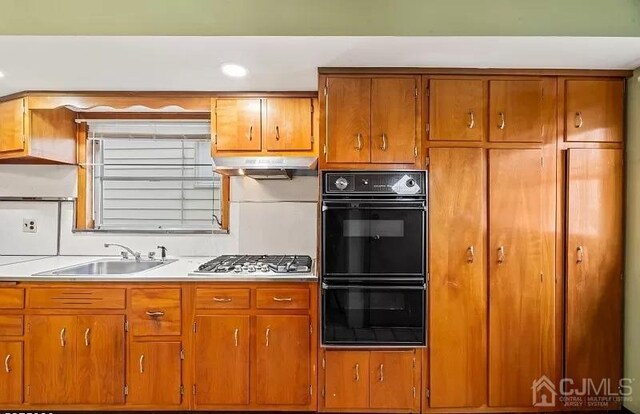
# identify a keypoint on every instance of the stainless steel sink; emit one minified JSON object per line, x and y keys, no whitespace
{"x":107,"y":267}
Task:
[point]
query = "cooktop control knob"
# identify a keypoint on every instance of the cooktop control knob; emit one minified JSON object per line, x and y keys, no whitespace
{"x":341,"y":183}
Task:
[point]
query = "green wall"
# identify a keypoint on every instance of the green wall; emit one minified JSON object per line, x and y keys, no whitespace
{"x":322,"y":17}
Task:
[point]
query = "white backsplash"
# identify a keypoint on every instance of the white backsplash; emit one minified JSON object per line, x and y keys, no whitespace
{"x":265,"y":217}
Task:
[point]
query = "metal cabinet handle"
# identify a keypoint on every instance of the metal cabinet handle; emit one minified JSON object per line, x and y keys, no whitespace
{"x":580,"y":254}
{"x":501,"y":254}
{"x":381,"y":372}
{"x":219,"y":299}
{"x":383,"y":145}
{"x":279,"y":299}
{"x":501,"y":123}
{"x":235,"y":337}
{"x":472,"y":120}
{"x":471,"y":255}
{"x":359,"y":141}
{"x":250,"y":132}
{"x":578,"y":120}
{"x":141,"y":364}
{"x":277,"y":133}
{"x":154,"y":314}
{"x":7,"y":367}
{"x":357,"y":372}
{"x":63,"y":340}
{"x":86,"y":336}
{"x":266,"y":336}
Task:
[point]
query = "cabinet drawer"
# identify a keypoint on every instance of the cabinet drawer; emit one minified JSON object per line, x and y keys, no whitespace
{"x":156,"y":312}
{"x":11,"y":325}
{"x":75,"y":298}
{"x":11,"y":298}
{"x":223,"y":298}
{"x":286,"y":298}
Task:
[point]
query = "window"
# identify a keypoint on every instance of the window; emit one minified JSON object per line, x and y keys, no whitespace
{"x":152,"y":176}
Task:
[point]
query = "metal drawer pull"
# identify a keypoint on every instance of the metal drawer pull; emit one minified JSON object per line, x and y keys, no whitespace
{"x":501,"y":254}
{"x":141,"y":364}
{"x":578,"y":120}
{"x":284,"y":299}
{"x":266,"y":336}
{"x":86,"y":336}
{"x":235,"y":336}
{"x":471,"y":255}
{"x":472,"y":120}
{"x":357,"y":370}
{"x":219,"y":299}
{"x":277,"y":133}
{"x":63,"y":341}
{"x":383,"y":146}
{"x":359,"y":141}
{"x":154,"y":314}
{"x":250,"y":132}
{"x":381,"y":372}
{"x":501,"y":123}
{"x":580,"y":255}
{"x":7,"y":368}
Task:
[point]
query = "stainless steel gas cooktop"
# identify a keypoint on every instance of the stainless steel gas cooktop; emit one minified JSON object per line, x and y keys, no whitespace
{"x":257,"y":265}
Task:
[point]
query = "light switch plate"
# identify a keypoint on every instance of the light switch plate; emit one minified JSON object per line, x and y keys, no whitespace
{"x":29,"y":226}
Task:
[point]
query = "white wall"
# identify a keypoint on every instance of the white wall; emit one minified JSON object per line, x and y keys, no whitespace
{"x":265,"y":217}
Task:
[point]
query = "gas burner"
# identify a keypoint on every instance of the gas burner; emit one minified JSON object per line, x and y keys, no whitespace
{"x":256,"y":264}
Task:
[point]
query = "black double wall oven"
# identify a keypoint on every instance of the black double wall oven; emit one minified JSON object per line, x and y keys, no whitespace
{"x":374,"y":226}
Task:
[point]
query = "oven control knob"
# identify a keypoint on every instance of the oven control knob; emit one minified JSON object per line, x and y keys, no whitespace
{"x":411,"y":182}
{"x":341,"y":183}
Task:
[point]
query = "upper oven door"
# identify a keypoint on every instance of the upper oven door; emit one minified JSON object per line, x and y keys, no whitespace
{"x":373,"y":239}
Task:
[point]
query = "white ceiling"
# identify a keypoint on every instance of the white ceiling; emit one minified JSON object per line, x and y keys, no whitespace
{"x":276,"y":63}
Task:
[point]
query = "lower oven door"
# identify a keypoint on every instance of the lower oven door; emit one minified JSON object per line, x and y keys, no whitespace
{"x":373,"y":315}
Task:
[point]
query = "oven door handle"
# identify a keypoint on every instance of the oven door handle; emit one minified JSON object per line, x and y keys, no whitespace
{"x":344,"y":287}
{"x":329,"y":207}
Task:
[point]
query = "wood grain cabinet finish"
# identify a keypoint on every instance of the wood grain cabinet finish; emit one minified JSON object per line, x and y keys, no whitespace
{"x":74,"y":298}
{"x":11,"y":325}
{"x":222,"y":355}
{"x":12,"y":128}
{"x":346,"y":380}
{"x":288,"y":125}
{"x":287,"y":298}
{"x":237,"y":124}
{"x":594,"y":110}
{"x":594,"y":266}
{"x":457,"y":109}
{"x":391,"y":380}
{"x":156,"y":312}
{"x":11,"y":298}
{"x":11,"y":375}
{"x":223,"y":298}
{"x":155,"y":374}
{"x":458,"y":283}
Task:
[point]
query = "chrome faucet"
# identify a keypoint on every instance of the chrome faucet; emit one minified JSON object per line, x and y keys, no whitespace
{"x":125,"y":255}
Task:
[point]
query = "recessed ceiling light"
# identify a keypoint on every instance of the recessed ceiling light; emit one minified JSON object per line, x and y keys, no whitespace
{"x":233,"y":70}
{"x":1,"y":75}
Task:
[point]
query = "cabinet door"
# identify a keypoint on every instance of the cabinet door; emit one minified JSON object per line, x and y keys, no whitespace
{"x":393,"y":120}
{"x":222,"y":345}
{"x":458,"y":287}
{"x":51,"y":345}
{"x":516,"y":278}
{"x":12,"y":125}
{"x":238,"y":125}
{"x":517,"y":110}
{"x":391,"y":380}
{"x":283,"y":365}
{"x":155,"y":373}
{"x":346,"y":379}
{"x":288,"y":124}
{"x":100,"y":370}
{"x":594,"y":265}
{"x":11,"y":373}
{"x":348,"y":123}
{"x":594,"y":110}
{"x":456,"y":109}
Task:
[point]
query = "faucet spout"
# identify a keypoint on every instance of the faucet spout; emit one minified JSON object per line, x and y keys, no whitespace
{"x":136,"y":255}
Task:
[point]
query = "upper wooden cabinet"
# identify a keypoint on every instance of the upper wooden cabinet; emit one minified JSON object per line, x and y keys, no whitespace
{"x":594,"y":110}
{"x":36,"y":135}
{"x":371,"y":120}
{"x":262,"y":126}
{"x":457,"y":109}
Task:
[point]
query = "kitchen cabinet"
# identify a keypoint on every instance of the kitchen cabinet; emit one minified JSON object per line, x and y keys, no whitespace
{"x":594,"y":110}
{"x":237,"y":124}
{"x":156,"y":312}
{"x":288,"y":124}
{"x":346,"y":379}
{"x":458,"y":282}
{"x":594,"y":250}
{"x":457,"y":108}
{"x":371,"y":120}
{"x":155,"y":374}
{"x":36,"y":135}
{"x":391,"y":380}
{"x":222,"y":346}
{"x":283,"y":360}
{"x":520,"y":109}
{"x":76,"y":359}
{"x":11,"y":374}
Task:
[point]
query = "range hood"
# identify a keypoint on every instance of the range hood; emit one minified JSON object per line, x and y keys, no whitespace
{"x":266,"y":168}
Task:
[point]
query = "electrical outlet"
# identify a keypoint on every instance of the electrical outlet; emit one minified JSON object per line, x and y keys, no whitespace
{"x":29,"y":226}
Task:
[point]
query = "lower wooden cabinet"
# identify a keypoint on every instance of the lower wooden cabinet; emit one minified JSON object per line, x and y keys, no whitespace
{"x":155,"y":374}
{"x":11,"y":373}
{"x":371,"y":380}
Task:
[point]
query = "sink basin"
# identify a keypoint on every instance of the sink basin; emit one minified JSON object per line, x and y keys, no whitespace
{"x":107,"y":267}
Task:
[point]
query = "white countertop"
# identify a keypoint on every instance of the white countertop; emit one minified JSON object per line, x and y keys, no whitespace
{"x":25,"y":270}
{"x":5,"y":260}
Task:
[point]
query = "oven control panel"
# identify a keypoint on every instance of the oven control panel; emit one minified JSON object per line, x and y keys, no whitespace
{"x":403,"y":183}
